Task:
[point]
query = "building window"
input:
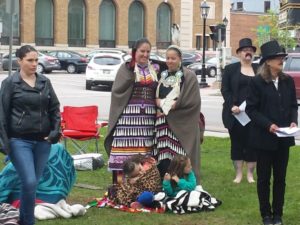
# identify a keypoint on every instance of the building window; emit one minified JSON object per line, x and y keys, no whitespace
{"x":135,"y":22}
{"x":107,"y":23}
{"x":267,"y":6}
{"x":76,"y":23}
{"x":198,"y":42}
{"x":239,"y":6}
{"x":5,"y":17}
{"x":207,"y":42}
{"x":44,"y":22}
{"x":163,"y":26}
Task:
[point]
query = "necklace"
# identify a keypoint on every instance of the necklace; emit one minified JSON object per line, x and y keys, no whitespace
{"x":172,"y":80}
{"x":138,"y":74}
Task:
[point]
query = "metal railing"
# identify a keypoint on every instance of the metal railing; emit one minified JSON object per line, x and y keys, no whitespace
{"x":107,"y":43}
{"x":44,"y":41}
{"x":163,"y":44}
{"x":5,"y":40}
{"x":76,"y":42}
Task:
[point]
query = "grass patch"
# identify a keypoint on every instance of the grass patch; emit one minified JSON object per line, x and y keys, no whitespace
{"x":240,"y":204}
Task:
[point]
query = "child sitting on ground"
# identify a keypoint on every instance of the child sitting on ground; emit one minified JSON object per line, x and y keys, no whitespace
{"x":142,"y":181}
{"x":180,"y":176}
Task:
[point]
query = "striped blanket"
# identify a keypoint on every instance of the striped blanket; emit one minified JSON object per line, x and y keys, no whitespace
{"x":8,"y":214}
{"x":193,"y":201}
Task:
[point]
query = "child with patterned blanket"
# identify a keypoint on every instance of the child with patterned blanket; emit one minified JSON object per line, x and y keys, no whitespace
{"x":180,"y":186}
{"x":141,"y":183}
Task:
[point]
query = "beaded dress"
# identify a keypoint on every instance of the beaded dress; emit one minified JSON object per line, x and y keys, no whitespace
{"x":167,"y":144}
{"x":134,"y":131}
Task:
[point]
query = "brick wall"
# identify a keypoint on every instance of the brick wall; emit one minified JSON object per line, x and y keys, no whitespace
{"x":27,"y":20}
{"x":243,"y":25}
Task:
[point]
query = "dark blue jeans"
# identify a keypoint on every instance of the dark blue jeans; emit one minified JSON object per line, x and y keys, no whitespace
{"x":29,"y":159}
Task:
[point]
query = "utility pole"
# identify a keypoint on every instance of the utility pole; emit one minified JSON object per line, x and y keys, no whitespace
{"x":10,"y":8}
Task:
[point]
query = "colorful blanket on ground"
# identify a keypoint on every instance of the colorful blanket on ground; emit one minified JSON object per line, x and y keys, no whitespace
{"x":56,"y":183}
{"x":193,"y":201}
{"x":105,"y":202}
{"x":8,"y":214}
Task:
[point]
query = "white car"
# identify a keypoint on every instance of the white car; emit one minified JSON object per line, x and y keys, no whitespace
{"x":103,"y":67}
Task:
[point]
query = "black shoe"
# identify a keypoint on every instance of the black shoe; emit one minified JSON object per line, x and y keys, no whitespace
{"x":267,"y":220}
{"x":277,"y":220}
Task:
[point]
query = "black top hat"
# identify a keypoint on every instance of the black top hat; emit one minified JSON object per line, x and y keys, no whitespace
{"x":245,"y":43}
{"x":271,"y":49}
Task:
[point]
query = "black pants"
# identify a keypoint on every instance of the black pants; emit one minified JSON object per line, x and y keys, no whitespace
{"x":266,"y":162}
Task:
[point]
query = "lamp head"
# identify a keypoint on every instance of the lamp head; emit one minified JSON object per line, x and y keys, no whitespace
{"x":204,"y":9}
{"x":225,"y":21}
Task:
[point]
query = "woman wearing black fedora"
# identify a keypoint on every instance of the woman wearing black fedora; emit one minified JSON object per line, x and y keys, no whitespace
{"x":235,"y":82}
{"x":271,"y":104}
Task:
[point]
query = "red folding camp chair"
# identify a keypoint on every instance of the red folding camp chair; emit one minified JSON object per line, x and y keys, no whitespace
{"x":79,"y":125}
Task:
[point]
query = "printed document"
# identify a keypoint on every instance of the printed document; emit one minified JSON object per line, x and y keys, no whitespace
{"x":242,"y":117}
{"x":288,"y":132}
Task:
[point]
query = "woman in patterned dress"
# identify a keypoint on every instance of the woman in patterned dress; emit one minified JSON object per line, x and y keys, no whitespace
{"x":177,"y":124}
{"x":132,"y":110}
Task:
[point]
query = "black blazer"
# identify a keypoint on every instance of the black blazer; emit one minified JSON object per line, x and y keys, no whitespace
{"x":267,"y":105}
{"x":230,"y":90}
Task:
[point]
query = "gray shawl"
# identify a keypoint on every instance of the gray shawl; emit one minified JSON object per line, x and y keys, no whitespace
{"x":120,"y":95}
{"x":184,"y":119}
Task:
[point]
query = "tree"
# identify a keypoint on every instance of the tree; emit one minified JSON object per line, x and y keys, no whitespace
{"x":268,"y":29}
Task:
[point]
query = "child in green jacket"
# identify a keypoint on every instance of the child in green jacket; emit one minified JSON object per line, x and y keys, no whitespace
{"x":180,"y":176}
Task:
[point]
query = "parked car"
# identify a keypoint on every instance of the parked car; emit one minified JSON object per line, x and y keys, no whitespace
{"x":190,"y":57}
{"x":103,"y":67}
{"x":71,"y":61}
{"x":156,"y":56}
{"x":105,"y":50}
{"x":292,"y":67}
{"x":211,"y":66}
{"x":46,"y":63}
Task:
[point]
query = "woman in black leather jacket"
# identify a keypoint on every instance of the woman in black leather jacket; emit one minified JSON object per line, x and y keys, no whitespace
{"x":30,"y":123}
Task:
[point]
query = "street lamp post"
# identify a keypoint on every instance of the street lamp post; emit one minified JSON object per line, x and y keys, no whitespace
{"x":225,"y":22}
{"x":204,"y":12}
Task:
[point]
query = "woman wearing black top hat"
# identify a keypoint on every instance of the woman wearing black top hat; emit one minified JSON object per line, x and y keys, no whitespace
{"x":271,"y":104}
{"x":234,"y":89}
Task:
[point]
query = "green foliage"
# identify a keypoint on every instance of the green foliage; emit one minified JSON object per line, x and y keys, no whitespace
{"x":240,"y":204}
{"x":269,"y":30}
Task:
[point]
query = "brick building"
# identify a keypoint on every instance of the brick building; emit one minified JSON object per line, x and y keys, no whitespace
{"x":243,"y":24}
{"x":89,"y":24}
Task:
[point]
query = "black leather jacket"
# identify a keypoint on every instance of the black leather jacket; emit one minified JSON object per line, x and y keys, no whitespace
{"x":26,"y":112}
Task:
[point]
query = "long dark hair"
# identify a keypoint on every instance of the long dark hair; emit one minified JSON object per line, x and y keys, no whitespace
{"x":21,"y":52}
{"x":177,"y":166}
{"x":135,"y":46}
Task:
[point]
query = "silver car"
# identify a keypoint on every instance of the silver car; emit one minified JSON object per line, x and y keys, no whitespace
{"x":46,"y":63}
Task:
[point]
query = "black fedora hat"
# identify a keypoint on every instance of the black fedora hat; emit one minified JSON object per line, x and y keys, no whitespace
{"x":245,"y":43}
{"x":271,"y":49}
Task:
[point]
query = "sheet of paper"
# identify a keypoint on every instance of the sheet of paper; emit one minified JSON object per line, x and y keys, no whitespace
{"x":242,"y":117}
{"x":288,"y":132}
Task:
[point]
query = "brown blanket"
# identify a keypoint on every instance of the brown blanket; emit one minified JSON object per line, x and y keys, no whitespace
{"x":149,"y":181}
